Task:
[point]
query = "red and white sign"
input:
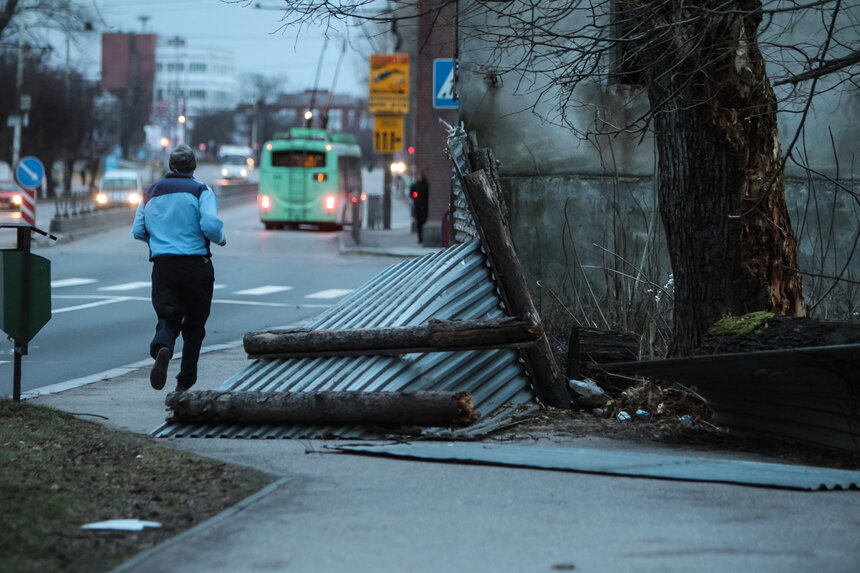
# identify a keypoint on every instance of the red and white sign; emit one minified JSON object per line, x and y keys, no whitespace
{"x":28,"y":206}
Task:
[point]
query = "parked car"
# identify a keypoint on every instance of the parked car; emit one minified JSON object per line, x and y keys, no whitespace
{"x":10,"y":195}
{"x":10,"y":200}
{"x":119,"y":188}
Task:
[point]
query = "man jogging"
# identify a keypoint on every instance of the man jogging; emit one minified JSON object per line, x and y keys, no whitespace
{"x":178,"y":218}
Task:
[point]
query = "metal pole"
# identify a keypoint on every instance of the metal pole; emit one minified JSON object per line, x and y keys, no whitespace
{"x":19,"y":88}
{"x":21,"y":347}
{"x":386,"y":192}
{"x":16,"y":376}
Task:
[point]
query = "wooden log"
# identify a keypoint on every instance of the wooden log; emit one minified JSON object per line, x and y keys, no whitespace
{"x":435,"y":336}
{"x":487,"y":207}
{"x":390,"y":409}
{"x":588,"y":347}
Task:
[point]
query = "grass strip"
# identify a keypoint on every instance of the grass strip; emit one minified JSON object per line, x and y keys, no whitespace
{"x":60,"y":472}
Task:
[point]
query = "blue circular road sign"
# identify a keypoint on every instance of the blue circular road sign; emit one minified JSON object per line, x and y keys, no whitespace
{"x":29,"y":172}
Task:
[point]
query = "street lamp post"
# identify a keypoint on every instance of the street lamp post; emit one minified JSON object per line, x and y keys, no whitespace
{"x":183,"y":127}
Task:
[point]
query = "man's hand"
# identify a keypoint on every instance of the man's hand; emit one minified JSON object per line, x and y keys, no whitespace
{"x":223,"y":243}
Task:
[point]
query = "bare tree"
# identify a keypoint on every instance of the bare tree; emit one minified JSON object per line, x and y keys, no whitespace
{"x":712,"y":112}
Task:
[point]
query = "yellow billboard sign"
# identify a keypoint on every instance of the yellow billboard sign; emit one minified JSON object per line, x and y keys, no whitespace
{"x":389,"y":84}
{"x":388,"y":134}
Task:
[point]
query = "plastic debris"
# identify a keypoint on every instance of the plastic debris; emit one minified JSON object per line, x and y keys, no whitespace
{"x":686,"y":419}
{"x":121,"y":524}
{"x":588,"y":392}
{"x":623,"y":416}
{"x":598,"y":412}
{"x":643,"y":416}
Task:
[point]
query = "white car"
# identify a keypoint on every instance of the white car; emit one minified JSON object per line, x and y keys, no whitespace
{"x":119,"y":188}
{"x":237,"y":162}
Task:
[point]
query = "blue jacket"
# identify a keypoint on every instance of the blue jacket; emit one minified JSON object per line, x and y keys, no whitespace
{"x":178,"y":216}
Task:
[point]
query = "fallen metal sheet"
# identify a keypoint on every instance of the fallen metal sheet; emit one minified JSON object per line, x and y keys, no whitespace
{"x":451,"y":284}
{"x":628,"y":464}
{"x":803,"y":394}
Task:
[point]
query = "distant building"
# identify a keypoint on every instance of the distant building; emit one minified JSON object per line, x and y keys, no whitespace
{"x":128,"y":73}
{"x":128,"y":62}
{"x":192,"y":80}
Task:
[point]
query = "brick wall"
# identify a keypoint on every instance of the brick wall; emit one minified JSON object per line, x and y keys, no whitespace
{"x":435,"y":39}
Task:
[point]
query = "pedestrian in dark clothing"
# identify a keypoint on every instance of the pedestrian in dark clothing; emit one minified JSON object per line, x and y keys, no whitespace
{"x":178,"y":218}
{"x":419,"y":192}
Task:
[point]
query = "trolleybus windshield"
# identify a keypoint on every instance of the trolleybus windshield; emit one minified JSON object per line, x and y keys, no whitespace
{"x":297,"y":158}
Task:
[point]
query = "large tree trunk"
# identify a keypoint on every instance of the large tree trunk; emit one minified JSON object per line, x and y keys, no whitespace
{"x":721,"y":186}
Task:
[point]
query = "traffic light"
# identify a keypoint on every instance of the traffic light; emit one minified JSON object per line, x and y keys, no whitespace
{"x":410,"y":150}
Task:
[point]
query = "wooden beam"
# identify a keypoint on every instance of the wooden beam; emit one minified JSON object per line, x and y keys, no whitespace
{"x":390,"y":409}
{"x":435,"y":336}
{"x":488,"y":209}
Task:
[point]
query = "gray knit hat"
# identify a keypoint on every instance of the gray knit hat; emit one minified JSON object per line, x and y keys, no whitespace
{"x":182,"y":159}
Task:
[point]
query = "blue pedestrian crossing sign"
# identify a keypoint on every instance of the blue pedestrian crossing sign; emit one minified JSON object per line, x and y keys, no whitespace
{"x":443,"y":84}
{"x":29,"y":172}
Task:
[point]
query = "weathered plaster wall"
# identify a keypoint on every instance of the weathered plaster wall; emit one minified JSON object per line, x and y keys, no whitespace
{"x":564,"y":183}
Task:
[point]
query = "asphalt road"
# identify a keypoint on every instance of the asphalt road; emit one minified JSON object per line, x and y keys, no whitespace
{"x":102,"y":317}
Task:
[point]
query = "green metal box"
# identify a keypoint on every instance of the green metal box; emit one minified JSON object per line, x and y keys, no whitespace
{"x":12,"y":294}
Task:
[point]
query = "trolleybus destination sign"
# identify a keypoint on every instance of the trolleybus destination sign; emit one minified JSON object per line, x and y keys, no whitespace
{"x":389,"y":84}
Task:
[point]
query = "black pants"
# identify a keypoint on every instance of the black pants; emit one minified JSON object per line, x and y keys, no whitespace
{"x":420,"y":219}
{"x":182,"y":297}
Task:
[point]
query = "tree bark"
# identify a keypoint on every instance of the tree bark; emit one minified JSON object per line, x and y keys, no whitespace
{"x":721,"y":186}
{"x":435,"y":336}
{"x":391,"y":409}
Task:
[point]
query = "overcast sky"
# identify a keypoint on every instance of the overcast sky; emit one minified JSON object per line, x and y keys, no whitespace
{"x":254,"y":35}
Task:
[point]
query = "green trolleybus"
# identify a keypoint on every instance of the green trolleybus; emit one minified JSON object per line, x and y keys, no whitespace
{"x":311,"y":176}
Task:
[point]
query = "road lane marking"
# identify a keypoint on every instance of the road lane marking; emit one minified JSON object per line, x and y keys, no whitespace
{"x":259,"y":291}
{"x":330,"y":293}
{"x":127,"y":286}
{"x":107,"y":375}
{"x":91,"y":304}
{"x":105,"y":299}
{"x":74,"y":281}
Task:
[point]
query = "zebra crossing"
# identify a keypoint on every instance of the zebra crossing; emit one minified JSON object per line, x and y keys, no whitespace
{"x":139,"y":290}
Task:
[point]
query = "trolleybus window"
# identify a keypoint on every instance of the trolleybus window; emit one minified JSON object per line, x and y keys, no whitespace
{"x":296,"y":158}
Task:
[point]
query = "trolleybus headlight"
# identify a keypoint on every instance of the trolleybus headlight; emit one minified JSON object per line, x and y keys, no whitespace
{"x":133,"y":198}
{"x":224,"y":172}
{"x":16,"y":199}
{"x":330,"y":201}
{"x":101,"y":199}
{"x":265,"y":202}
{"x":243,"y":172}
{"x":320,"y":177}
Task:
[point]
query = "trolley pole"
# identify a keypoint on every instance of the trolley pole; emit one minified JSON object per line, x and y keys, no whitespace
{"x":386,"y":192}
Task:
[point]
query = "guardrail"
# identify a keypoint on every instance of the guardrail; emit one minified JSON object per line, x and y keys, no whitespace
{"x":75,"y":213}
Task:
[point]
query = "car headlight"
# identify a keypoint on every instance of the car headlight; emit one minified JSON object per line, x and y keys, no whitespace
{"x":133,"y":198}
{"x":101,"y":199}
{"x":225,"y":172}
{"x":243,"y":172}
